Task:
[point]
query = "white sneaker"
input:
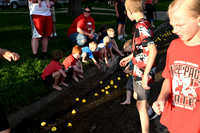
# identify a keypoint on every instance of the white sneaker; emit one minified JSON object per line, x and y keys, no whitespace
{"x":55,"y":34}
{"x":125,"y":35}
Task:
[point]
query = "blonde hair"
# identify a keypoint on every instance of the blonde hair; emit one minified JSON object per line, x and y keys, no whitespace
{"x":106,"y":40}
{"x":191,"y":6}
{"x":134,"y":5}
{"x":110,"y":30}
{"x":77,"y":50}
{"x":128,"y":43}
{"x":92,"y":43}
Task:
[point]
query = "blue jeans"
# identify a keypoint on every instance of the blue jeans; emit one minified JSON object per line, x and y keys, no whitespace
{"x":77,"y":38}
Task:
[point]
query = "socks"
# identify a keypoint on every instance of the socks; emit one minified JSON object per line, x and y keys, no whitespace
{"x":120,"y":37}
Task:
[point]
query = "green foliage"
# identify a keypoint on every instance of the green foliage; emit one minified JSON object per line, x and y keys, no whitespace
{"x":21,"y":82}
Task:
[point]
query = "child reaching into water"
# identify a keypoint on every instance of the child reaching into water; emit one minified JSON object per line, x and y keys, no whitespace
{"x":87,"y":52}
{"x":102,"y":50}
{"x":53,"y":73}
{"x":72,"y":62}
{"x":181,"y":87}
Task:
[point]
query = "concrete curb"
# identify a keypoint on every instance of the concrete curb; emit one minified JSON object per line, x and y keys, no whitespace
{"x":57,"y":101}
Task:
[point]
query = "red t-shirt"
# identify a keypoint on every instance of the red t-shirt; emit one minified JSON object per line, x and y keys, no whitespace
{"x":69,"y":61}
{"x":143,"y":37}
{"x":86,"y":24}
{"x":52,"y":67}
{"x":182,"y":109}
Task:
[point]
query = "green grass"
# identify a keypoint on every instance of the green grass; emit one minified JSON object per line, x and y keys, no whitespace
{"x":20,"y":81}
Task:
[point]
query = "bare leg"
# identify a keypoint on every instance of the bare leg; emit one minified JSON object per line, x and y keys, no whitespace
{"x":119,"y":29}
{"x":144,"y":117}
{"x":123,"y":29}
{"x":128,"y":98}
{"x":56,"y":76}
{"x":34,"y":45}
{"x":84,"y":57}
{"x":44,"y":43}
{"x":74,"y":76}
{"x":5,"y":131}
{"x":115,"y":47}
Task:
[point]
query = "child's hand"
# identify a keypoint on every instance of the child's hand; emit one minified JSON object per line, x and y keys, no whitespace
{"x":127,"y":71}
{"x":107,"y":64}
{"x":84,"y":61}
{"x":145,"y":82}
{"x":11,"y":56}
{"x":98,"y":66}
{"x":123,"y":62}
{"x":158,"y":106}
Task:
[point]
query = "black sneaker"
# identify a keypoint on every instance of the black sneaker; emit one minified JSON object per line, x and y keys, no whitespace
{"x":45,"y":56}
{"x":153,"y":116}
{"x":35,"y":56}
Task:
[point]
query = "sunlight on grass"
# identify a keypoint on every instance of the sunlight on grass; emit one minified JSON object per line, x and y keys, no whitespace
{"x":16,"y":27}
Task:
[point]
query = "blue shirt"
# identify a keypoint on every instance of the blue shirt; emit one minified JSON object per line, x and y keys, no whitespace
{"x":88,"y":51}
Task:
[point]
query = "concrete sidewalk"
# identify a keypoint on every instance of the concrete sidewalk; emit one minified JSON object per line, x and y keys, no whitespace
{"x":160,"y":15}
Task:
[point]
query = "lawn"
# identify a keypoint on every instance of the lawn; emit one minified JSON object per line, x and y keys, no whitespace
{"x":20,"y":81}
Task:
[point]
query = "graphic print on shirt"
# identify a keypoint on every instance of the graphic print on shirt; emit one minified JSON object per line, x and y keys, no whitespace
{"x":185,"y":84}
{"x":89,"y":26}
{"x":143,"y":38}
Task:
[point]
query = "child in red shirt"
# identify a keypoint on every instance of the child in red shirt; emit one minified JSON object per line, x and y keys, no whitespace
{"x":181,"y":87}
{"x":53,"y":72}
{"x":73,"y":62}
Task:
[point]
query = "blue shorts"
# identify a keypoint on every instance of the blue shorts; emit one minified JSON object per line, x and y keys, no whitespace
{"x":76,"y":38}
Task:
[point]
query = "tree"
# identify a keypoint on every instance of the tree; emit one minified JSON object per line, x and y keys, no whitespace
{"x":74,"y":7}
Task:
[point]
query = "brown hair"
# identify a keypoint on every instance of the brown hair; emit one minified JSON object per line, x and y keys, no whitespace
{"x":57,"y":55}
{"x":134,"y":5}
{"x":76,"y":50}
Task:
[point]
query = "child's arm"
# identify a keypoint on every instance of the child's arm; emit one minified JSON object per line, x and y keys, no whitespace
{"x":150,"y":61}
{"x":106,"y":57}
{"x":116,"y":10}
{"x":158,"y":105}
{"x":126,"y":60}
{"x":127,"y":70}
{"x":95,"y":62}
{"x":63,"y":73}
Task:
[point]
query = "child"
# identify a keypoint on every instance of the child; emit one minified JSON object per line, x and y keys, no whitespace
{"x":53,"y":72}
{"x":47,"y":2}
{"x":143,"y":56}
{"x":87,"y":52}
{"x":102,"y":32}
{"x":128,"y":70}
{"x":181,"y":87}
{"x":111,"y":34}
{"x":102,"y":49}
{"x":73,"y":62}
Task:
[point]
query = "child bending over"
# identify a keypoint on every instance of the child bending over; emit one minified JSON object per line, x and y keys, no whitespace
{"x":87,"y":52}
{"x":53,"y":73}
{"x":72,"y":62}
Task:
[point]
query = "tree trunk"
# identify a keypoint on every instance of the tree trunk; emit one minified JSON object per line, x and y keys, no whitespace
{"x":74,"y":7}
